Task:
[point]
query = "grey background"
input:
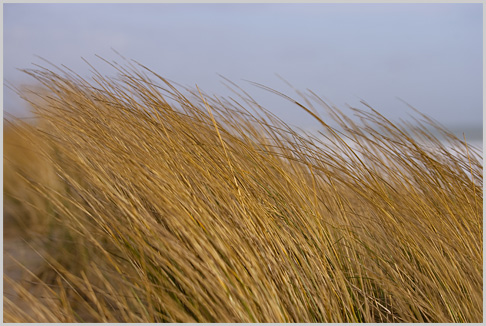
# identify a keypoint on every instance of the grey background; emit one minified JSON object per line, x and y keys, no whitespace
{"x":430,"y":55}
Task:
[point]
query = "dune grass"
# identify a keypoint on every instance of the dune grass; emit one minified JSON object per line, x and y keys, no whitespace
{"x":168,"y":205}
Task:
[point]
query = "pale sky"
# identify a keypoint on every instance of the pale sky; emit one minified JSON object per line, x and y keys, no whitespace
{"x":430,"y":55}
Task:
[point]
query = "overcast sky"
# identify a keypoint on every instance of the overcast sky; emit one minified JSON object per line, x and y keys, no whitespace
{"x":427,"y":54}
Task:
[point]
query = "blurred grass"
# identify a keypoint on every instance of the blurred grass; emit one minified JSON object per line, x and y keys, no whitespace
{"x":165,"y":204}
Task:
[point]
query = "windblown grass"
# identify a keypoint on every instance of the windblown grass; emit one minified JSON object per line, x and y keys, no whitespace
{"x":174,"y":206}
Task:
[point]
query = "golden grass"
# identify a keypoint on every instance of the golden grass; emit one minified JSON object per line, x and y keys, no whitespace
{"x":174,"y":206}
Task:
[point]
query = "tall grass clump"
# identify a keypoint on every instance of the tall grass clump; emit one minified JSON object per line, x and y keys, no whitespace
{"x":171,"y":205}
